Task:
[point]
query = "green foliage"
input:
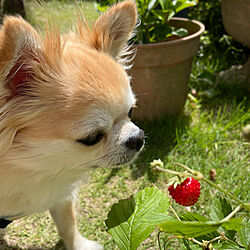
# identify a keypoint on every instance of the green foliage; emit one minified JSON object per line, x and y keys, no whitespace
{"x":129,"y":220}
{"x":189,"y":228}
{"x":193,"y":217}
{"x":154,"y":18}
{"x":220,"y":209}
{"x":215,"y":40}
{"x":244,"y":234}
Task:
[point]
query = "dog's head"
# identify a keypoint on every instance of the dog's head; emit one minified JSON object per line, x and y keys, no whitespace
{"x":68,"y":98}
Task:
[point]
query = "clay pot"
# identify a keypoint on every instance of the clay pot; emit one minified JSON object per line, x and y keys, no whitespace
{"x":161,"y":71}
{"x":236,"y":20}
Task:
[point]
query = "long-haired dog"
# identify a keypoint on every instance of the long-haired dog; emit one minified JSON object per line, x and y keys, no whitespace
{"x":65,"y":106}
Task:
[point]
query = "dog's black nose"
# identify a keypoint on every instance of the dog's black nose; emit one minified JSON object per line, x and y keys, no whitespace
{"x":135,"y":142}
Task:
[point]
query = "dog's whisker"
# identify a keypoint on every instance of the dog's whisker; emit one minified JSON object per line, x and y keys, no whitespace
{"x":107,"y":166}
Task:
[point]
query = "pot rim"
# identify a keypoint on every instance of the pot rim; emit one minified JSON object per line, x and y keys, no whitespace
{"x":180,"y":40}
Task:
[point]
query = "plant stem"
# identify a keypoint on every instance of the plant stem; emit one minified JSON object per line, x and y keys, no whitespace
{"x":158,"y":239}
{"x":195,"y":241}
{"x":231,"y":214}
{"x":185,"y":167}
{"x":246,"y":206}
{"x":214,"y":239}
{"x":200,"y":176}
{"x":223,"y":237}
{"x":176,"y":215}
{"x":169,"y":171}
{"x":183,"y":237}
{"x":195,"y":174}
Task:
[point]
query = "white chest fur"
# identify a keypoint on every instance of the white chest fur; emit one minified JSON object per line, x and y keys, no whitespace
{"x":34,"y":180}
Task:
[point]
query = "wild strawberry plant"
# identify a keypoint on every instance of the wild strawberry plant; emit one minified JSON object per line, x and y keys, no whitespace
{"x":132,"y":220}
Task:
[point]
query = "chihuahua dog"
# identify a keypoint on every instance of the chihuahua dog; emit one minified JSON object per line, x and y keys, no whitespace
{"x":65,"y":107}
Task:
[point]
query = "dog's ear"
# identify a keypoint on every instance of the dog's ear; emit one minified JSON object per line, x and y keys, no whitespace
{"x":112,"y":29}
{"x":19,"y":46}
{"x":18,"y":49}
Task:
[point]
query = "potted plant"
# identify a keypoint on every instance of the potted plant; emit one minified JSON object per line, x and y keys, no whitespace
{"x":165,"y":48}
{"x":236,"y":20}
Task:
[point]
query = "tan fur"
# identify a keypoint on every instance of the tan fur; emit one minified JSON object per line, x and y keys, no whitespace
{"x":74,"y":85}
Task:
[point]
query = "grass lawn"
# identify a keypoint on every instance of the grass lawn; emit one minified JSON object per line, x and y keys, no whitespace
{"x":208,"y":135}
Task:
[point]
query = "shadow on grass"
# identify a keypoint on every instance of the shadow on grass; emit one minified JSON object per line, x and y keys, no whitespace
{"x":160,"y":139}
{"x":227,"y":94}
{"x":161,"y":134}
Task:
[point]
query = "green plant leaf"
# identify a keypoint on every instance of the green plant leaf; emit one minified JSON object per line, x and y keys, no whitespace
{"x":197,"y":217}
{"x":193,"y":217}
{"x":244,"y":234}
{"x":196,"y":228}
{"x":220,"y":209}
{"x":152,"y":4}
{"x":226,"y":246}
{"x":160,"y":14}
{"x":129,"y":221}
{"x":189,"y":228}
{"x":180,"y":32}
{"x":233,"y":224}
{"x":159,"y":33}
{"x":165,"y":4}
{"x":157,"y":218}
{"x":182,"y":4}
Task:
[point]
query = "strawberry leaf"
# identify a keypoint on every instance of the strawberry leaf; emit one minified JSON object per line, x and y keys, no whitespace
{"x":226,"y":246}
{"x":189,"y":228}
{"x":196,"y":228}
{"x":233,"y":224}
{"x":244,"y":234}
{"x":129,"y":221}
{"x":220,"y":209}
{"x":193,"y":217}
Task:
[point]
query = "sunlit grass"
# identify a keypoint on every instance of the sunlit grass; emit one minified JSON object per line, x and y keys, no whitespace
{"x":63,"y":13}
{"x":206,"y":136}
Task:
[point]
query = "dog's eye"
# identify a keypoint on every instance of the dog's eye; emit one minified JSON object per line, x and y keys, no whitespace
{"x":130,"y":113}
{"x":91,"y":139}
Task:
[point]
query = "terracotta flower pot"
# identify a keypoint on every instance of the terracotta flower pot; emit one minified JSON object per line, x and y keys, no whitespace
{"x":161,"y":71}
{"x":236,"y":20}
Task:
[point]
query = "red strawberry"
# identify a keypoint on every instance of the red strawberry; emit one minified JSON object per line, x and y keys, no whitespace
{"x":186,"y":193}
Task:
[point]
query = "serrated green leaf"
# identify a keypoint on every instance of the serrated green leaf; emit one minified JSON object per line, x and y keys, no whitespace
{"x":193,"y":217}
{"x":129,"y":220}
{"x":189,"y":228}
{"x":233,"y":224}
{"x":220,"y":209}
{"x":226,"y":246}
{"x":196,"y":228}
{"x":244,"y":234}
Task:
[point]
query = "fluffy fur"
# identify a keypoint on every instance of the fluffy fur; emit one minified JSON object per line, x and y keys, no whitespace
{"x":56,"y":92}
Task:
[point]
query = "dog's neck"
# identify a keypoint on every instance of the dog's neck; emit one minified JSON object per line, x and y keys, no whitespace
{"x":33,"y":181}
